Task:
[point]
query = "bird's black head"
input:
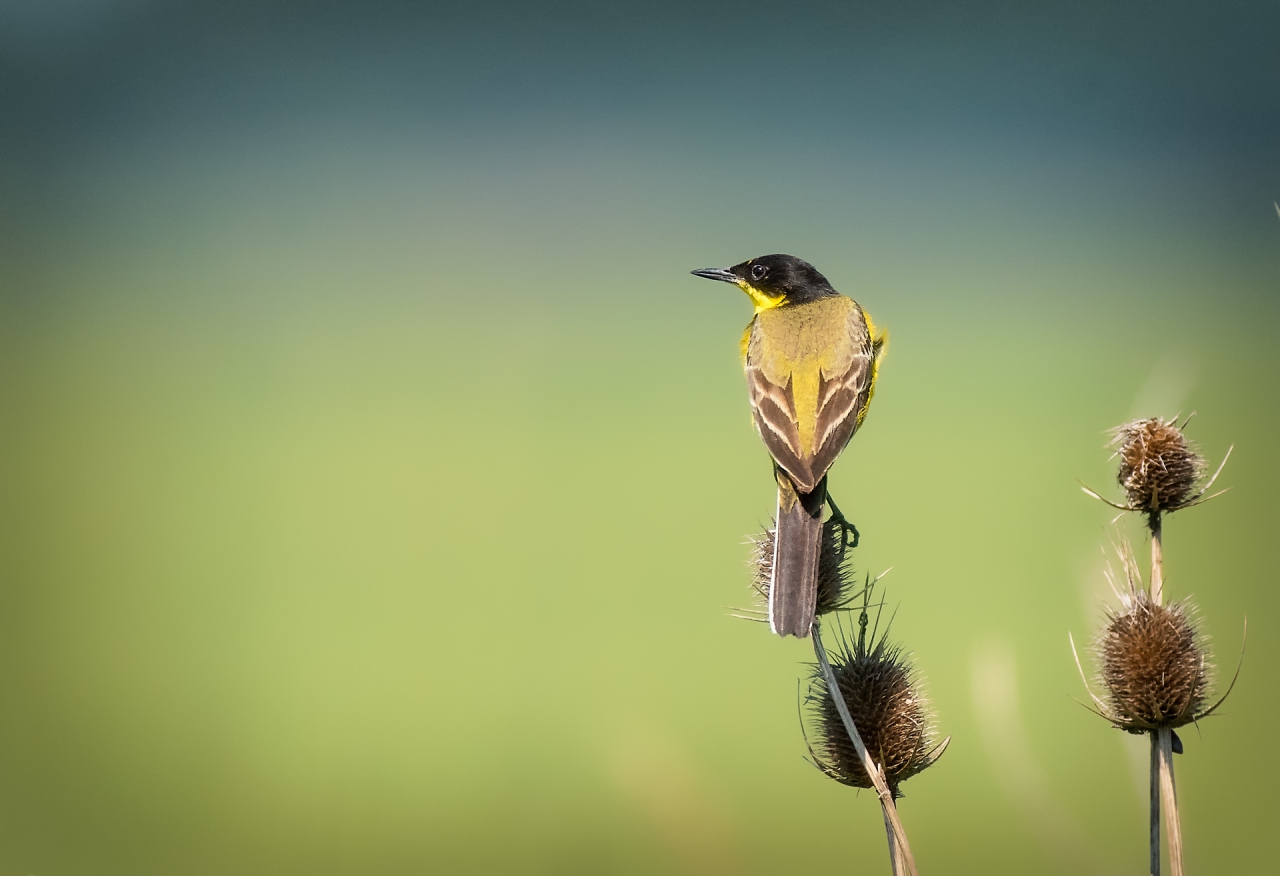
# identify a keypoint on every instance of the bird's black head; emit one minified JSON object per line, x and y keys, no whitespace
{"x":774,"y":280}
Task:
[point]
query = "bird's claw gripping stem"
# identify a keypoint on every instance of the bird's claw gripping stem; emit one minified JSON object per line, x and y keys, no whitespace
{"x":848,"y":532}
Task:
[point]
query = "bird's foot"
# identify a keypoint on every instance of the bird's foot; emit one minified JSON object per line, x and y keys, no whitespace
{"x":849,"y":535}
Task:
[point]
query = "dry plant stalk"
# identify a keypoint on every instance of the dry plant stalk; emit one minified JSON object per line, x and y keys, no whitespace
{"x":1153,"y":839}
{"x":1169,"y":796}
{"x":899,"y":846}
{"x":1154,"y":663}
{"x":871,"y":724}
{"x":897,"y":860}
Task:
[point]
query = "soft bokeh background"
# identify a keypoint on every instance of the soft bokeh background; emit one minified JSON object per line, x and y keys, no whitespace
{"x":374,"y":478}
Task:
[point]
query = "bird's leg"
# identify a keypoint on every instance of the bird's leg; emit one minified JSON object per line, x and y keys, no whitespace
{"x":848,"y":532}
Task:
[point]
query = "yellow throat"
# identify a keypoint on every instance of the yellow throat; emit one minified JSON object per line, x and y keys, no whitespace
{"x":762,"y":300}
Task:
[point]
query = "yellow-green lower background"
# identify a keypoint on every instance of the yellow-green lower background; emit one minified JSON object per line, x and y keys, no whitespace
{"x":379,"y":509}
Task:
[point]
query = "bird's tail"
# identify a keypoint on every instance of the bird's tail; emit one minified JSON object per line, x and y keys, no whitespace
{"x":793,"y":592}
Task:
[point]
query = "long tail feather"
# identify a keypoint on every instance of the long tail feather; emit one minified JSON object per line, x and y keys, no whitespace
{"x":793,"y":593}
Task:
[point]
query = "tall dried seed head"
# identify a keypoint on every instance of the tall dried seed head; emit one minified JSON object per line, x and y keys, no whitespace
{"x":835,"y":578}
{"x":1159,"y":469}
{"x":884,"y":699}
{"x":1154,"y":665}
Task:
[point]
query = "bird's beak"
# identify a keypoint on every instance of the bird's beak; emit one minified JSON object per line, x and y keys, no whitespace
{"x":723,"y":274}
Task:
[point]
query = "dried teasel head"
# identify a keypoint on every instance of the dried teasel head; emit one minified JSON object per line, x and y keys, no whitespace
{"x":883,"y":695}
{"x":1159,"y":469}
{"x":836,"y":587}
{"x":1155,"y":666}
{"x":1154,"y":663}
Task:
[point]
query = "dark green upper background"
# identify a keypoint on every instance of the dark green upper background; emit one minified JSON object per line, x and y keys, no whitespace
{"x":374,"y":477}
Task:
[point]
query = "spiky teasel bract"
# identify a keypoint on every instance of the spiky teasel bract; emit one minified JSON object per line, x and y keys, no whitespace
{"x":1160,"y":470}
{"x":836,"y":587}
{"x":882,"y":692}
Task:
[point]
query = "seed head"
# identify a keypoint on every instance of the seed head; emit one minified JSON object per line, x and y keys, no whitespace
{"x":1159,"y":469}
{"x":1155,"y":668}
{"x":835,"y":577}
{"x":883,"y":695}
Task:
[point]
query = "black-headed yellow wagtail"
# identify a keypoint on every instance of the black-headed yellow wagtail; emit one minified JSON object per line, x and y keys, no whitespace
{"x":811,"y":357}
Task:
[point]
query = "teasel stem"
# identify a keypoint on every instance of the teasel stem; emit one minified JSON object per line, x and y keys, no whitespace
{"x":1169,"y":797}
{"x":895,"y":850}
{"x":1157,"y":558}
{"x":1155,"y":804}
{"x":899,"y":846}
{"x":1163,"y":791}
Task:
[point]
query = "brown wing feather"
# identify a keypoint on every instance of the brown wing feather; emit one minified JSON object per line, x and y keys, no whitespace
{"x":843,"y":398}
{"x":840,"y":399}
{"x":773,"y":410}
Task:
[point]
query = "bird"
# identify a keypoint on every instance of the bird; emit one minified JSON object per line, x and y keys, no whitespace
{"x":811,"y":357}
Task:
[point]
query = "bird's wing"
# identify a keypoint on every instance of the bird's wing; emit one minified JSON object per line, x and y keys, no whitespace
{"x":843,"y":397}
{"x":773,"y":409}
{"x":809,"y":381}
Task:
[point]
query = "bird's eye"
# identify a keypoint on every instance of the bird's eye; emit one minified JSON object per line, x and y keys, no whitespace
{"x":758,"y":272}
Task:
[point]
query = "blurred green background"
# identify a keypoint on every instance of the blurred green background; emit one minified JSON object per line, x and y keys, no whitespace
{"x":374,"y":479}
